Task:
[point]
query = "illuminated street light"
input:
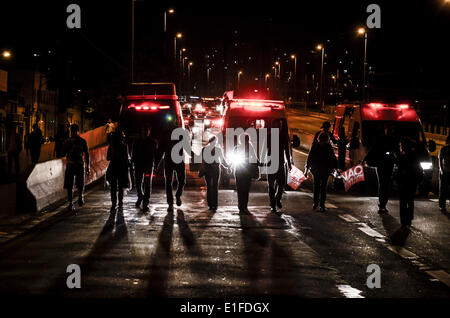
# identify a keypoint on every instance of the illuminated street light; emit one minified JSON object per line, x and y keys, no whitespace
{"x":6,"y":54}
{"x":294,"y":57}
{"x":265,"y":80}
{"x":169,"y":11}
{"x":177,"y":36}
{"x":238,"y":79}
{"x":362,"y":31}
{"x":320,"y":47}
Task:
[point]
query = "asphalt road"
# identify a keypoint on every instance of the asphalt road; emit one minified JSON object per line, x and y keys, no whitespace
{"x":192,"y":252}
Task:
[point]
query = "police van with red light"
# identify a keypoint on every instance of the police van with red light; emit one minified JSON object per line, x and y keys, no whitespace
{"x":150,"y":104}
{"x":364,"y":123}
{"x":250,"y":113}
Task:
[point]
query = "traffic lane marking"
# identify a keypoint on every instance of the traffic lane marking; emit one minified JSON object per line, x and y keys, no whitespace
{"x":440,"y":275}
{"x":402,"y":252}
{"x":348,"y":218}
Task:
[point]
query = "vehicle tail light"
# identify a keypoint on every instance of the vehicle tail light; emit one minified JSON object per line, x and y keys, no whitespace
{"x":147,"y":107}
{"x":403,"y":106}
{"x":376,"y":105}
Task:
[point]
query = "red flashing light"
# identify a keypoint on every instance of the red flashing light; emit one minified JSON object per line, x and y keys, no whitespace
{"x":376,"y":105}
{"x":147,"y":107}
{"x":403,"y":106}
{"x":256,"y":105}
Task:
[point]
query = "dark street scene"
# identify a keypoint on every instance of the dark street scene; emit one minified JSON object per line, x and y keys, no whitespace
{"x":216,"y":158}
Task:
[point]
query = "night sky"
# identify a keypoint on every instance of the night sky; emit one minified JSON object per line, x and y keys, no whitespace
{"x":412,"y":44}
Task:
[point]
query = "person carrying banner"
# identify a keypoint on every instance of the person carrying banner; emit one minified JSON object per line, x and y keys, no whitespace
{"x":321,"y":162}
{"x":326,"y":129}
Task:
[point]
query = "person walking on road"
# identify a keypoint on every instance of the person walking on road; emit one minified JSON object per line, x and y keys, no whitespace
{"x":382,"y":156}
{"x":410,"y":174}
{"x":171,"y":168}
{"x":245,"y":164}
{"x":213,"y":159}
{"x":117,"y":172}
{"x":74,"y":148}
{"x":34,"y":143}
{"x":326,"y":129}
{"x":444,"y":174}
{"x":321,"y":162}
{"x":277,"y":181}
{"x":143,"y":158}
{"x":14,"y":147}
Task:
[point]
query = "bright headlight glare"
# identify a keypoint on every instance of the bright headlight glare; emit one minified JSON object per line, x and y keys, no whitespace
{"x":236,"y":159}
{"x":426,"y":165}
{"x":207,"y":122}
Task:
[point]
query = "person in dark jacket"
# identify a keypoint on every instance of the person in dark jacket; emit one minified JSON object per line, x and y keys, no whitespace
{"x":326,"y":129}
{"x":277,"y":181}
{"x":143,"y":158}
{"x":382,"y":157}
{"x":321,"y":162}
{"x":444,"y":174}
{"x":34,"y":143}
{"x":74,"y":148}
{"x":213,"y":159}
{"x":342,"y":148}
{"x":245,"y":165}
{"x":409,"y":176}
{"x":117,"y":172}
{"x":171,"y":168}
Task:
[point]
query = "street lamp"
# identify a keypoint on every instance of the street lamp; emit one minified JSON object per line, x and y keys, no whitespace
{"x":265,"y":80}
{"x":238,"y":79}
{"x":169,"y":11}
{"x":279,"y":68}
{"x":362,"y":31}
{"x":6,"y":54}
{"x":189,"y":69}
{"x":177,"y":36}
{"x":294,"y":57}
{"x":320,"y":47}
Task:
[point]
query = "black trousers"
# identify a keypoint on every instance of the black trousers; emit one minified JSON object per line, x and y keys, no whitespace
{"x":444,"y":183}
{"x":243,"y":183}
{"x":143,"y":179}
{"x":407,"y":190}
{"x":384,"y":175}
{"x":169,"y":170}
{"x":114,"y":188}
{"x":277,"y":183}
{"x":212,"y":187}
{"x":320,"y":189}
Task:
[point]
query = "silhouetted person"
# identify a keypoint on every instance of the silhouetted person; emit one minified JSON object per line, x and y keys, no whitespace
{"x":245,"y":164}
{"x":143,"y":157}
{"x":321,"y":162}
{"x":410,"y":174}
{"x":60,"y":138}
{"x":212,"y":171}
{"x":444,"y":174}
{"x":277,"y":181}
{"x":34,"y":143}
{"x":325,"y":128}
{"x":171,"y":168}
{"x":382,"y":156}
{"x":74,"y":148}
{"x":342,"y":148}
{"x":117,"y":172}
{"x":14,"y":147}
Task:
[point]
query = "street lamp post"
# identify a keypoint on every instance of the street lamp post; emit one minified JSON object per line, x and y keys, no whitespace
{"x":181,"y":67}
{"x":238,"y":79}
{"x":189,"y":74}
{"x":177,"y":36}
{"x":294,"y":57}
{"x":362,"y":31}
{"x":265,"y":81}
{"x":170,"y":11}
{"x":321,"y":48}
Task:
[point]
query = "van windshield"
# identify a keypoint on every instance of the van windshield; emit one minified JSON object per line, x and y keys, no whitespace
{"x":373,"y":129}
